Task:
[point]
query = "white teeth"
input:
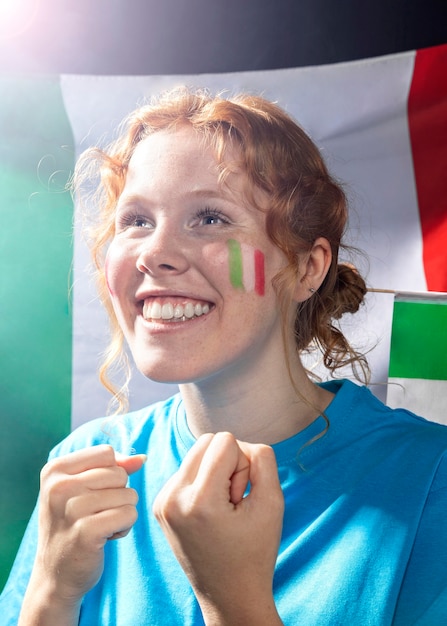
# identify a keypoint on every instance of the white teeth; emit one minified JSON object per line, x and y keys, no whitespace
{"x":155,"y":311}
{"x":188,"y":310}
{"x":179,"y":312}
{"x":167,"y":311}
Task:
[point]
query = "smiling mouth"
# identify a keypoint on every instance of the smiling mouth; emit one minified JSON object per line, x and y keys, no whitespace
{"x":153,"y":310}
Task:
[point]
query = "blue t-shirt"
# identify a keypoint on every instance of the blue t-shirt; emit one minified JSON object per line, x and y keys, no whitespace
{"x":364,"y":537}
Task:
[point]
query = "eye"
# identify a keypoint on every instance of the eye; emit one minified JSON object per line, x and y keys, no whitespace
{"x":140,"y":222}
{"x":209,"y":216}
{"x":133,"y":220}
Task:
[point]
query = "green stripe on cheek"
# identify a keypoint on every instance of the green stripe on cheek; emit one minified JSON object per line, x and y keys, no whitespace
{"x":235,"y":263}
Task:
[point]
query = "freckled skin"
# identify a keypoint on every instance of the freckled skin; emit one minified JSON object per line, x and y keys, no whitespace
{"x":161,"y":244}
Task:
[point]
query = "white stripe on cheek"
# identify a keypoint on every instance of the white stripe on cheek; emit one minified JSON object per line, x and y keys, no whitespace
{"x":248,"y":265}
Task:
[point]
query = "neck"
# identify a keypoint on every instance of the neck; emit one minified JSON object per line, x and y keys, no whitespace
{"x":265,"y":409}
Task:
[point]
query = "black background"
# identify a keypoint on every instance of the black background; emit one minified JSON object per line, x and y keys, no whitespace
{"x":196,"y":36}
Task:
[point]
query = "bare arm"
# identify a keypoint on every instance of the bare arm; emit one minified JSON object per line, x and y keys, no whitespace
{"x":84,"y":502}
{"x":226,"y":544}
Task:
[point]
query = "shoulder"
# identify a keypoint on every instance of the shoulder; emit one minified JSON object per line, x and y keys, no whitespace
{"x":356,"y":410}
{"x":359,"y":398}
{"x":124,"y":432}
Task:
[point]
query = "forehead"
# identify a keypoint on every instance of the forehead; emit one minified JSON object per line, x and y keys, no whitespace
{"x":174,"y":146}
{"x":185,"y":156}
{"x":182,"y":161}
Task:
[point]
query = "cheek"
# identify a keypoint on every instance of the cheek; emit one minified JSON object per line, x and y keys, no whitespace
{"x":240,"y":263}
{"x":116,"y":268}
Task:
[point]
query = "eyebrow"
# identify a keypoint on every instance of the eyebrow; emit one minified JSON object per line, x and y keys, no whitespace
{"x":128,"y":200}
{"x":208,"y":193}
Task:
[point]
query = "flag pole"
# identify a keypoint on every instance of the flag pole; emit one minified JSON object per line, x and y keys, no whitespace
{"x":436,"y":295}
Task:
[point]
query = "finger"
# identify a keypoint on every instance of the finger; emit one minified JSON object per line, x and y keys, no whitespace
{"x":224,"y":469}
{"x":121,"y":521}
{"x":107,"y":524}
{"x":185,"y":476}
{"x":131,"y":463}
{"x":100,"y":478}
{"x":240,"y":478}
{"x":59,"y":488}
{"x":83,"y":460}
{"x":88,"y":504}
{"x":264,"y":479}
{"x":191,"y":463}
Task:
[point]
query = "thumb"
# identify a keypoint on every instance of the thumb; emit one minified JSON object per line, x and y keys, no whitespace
{"x":130,"y":463}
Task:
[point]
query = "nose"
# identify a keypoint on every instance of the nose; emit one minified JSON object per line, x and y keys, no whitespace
{"x":162,"y":252}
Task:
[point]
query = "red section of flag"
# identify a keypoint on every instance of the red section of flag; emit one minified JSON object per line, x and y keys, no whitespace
{"x":427,"y":116}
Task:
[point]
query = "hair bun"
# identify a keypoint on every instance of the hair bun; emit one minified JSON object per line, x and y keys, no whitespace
{"x":349,"y":291}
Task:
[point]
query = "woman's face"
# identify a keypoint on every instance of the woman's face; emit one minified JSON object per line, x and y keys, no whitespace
{"x":190,"y":267}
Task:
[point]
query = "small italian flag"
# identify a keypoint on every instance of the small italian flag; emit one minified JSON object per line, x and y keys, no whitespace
{"x":246,"y":265}
{"x":418,"y":356}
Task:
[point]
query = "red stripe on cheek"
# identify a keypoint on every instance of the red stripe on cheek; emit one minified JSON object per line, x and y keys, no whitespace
{"x":259,"y":273}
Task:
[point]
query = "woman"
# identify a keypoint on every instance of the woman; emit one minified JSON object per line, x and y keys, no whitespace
{"x":264,"y":498}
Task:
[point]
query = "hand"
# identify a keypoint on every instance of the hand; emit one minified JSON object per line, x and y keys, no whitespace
{"x":227,"y":544}
{"x":84,"y":502}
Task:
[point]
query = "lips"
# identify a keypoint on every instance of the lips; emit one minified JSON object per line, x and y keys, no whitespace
{"x":174,"y":310}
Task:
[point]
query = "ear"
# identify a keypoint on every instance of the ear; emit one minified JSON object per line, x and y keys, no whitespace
{"x":313,"y":269}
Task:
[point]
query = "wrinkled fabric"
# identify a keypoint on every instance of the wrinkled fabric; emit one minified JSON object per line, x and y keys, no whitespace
{"x":364,"y":537}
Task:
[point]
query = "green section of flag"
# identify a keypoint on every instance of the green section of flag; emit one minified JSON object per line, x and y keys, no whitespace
{"x":36,"y":158}
{"x":419,"y":340}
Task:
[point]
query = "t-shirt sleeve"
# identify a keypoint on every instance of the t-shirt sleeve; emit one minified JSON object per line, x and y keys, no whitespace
{"x":423,"y":596}
{"x":13,"y":593}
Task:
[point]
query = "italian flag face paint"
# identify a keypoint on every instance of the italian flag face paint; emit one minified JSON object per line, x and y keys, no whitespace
{"x":246,"y":265}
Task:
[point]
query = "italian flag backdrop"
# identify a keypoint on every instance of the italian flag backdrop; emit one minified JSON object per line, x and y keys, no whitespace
{"x":382,"y":126}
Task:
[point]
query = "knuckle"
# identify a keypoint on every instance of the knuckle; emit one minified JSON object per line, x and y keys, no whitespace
{"x":129,"y":516}
{"x":132,"y":495}
{"x":225,"y":438}
{"x":60,"y":488}
{"x":71,"y":511}
{"x":132,"y":513}
{"x":265,"y":454}
{"x":105,"y":452}
{"x":165,"y":509}
{"x":50,"y":469}
{"x":86,"y":535}
{"x":189,"y":506}
{"x":121,"y":475}
{"x":158,"y":506}
{"x":45,"y":472}
{"x":266,"y":450}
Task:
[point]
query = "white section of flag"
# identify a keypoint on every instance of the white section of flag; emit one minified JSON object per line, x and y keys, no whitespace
{"x":421,"y":396}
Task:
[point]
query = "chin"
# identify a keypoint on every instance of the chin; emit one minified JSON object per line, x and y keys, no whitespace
{"x":163,"y":368}
{"x":167,"y":375}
